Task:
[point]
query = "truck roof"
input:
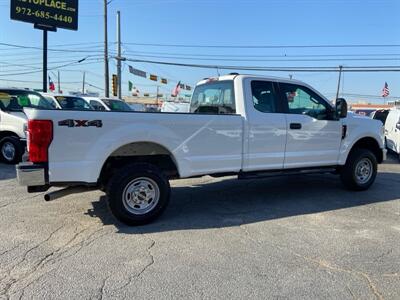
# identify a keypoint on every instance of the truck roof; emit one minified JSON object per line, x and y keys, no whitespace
{"x":243,"y":76}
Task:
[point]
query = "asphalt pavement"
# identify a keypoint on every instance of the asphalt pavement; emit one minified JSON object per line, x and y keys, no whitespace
{"x":295,"y":237}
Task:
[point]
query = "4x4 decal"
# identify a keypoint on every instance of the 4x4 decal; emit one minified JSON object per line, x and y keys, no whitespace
{"x":81,"y":123}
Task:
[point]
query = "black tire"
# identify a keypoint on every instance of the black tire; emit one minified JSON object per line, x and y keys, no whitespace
{"x":123,"y":179}
{"x":348,"y":173}
{"x":18,"y":150}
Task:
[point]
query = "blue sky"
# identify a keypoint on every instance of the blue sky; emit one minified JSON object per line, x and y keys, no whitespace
{"x":189,"y":22}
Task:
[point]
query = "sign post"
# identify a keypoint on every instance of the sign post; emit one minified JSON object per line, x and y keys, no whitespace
{"x":46,"y":15}
{"x":44,"y":61}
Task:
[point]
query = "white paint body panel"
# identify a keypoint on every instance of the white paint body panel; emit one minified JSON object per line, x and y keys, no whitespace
{"x":204,"y":144}
{"x":317,"y":143}
{"x":391,"y":131}
{"x":200,"y":144}
{"x":13,"y":122}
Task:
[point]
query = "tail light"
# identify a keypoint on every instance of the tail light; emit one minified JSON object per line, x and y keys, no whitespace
{"x":40,"y":135}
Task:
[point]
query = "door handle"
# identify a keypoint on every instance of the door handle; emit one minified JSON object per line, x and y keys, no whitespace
{"x":295,"y":126}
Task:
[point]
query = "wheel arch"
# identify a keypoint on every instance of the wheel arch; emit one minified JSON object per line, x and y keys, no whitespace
{"x":140,"y":152}
{"x":368,"y":143}
{"x":7,"y":133}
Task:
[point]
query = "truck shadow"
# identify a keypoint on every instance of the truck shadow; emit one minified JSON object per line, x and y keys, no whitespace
{"x":232,"y":202}
{"x":7,"y":172}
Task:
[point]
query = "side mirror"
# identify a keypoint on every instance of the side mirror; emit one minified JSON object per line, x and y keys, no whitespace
{"x":341,"y":108}
{"x":398,"y":126}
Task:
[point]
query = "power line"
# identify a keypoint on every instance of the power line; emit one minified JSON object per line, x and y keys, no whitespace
{"x":272,"y":60}
{"x":262,"y":55}
{"x":266,"y":46}
{"x":277,"y":69}
{"x":52,"y":68}
{"x":55,"y":50}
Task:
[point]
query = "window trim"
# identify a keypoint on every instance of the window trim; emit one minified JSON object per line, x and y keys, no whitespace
{"x":285,"y":103}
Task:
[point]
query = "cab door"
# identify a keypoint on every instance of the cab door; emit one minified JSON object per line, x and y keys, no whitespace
{"x":264,"y":148}
{"x":314,"y":133}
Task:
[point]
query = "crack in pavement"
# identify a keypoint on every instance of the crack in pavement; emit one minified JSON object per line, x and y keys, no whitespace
{"x":323,"y":264}
{"x":56,"y":256}
{"x":136,"y":276}
{"x":102,"y":288}
{"x":15,"y":279}
{"x":21,"y":200}
{"x":9,"y":250}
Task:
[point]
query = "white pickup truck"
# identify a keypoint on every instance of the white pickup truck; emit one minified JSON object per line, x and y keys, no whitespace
{"x":250,"y":126}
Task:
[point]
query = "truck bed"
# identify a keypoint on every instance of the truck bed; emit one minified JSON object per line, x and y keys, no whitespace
{"x":84,"y":140}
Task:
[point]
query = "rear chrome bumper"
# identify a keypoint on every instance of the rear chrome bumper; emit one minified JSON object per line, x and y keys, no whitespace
{"x":29,"y":174}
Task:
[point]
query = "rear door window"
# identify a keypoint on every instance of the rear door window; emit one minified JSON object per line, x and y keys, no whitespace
{"x":264,"y":97}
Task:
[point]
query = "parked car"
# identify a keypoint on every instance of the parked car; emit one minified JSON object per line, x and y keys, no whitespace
{"x":13,"y":121}
{"x":72,"y":103}
{"x":392,"y":130}
{"x":107,"y":104}
{"x":137,"y":107}
{"x":381,"y":115}
{"x":52,"y":100}
{"x":250,"y":126}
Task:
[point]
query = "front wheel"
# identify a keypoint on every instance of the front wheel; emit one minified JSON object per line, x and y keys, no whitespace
{"x":360,"y":170}
{"x":138,"y":194}
{"x":11,"y":150}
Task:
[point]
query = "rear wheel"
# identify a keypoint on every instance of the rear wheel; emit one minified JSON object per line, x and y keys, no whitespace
{"x":360,"y":170}
{"x":138,"y":194}
{"x":11,"y":150}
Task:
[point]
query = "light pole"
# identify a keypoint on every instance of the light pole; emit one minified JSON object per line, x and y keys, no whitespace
{"x":106,"y":68}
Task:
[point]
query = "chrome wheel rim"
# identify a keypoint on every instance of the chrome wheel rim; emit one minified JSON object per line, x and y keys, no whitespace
{"x":8,"y":151}
{"x":141,"y":195}
{"x":364,"y":170}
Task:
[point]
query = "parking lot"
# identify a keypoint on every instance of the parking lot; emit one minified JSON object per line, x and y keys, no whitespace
{"x":286,"y":237}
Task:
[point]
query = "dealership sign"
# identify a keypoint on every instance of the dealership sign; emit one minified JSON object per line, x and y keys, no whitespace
{"x":49,"y":13}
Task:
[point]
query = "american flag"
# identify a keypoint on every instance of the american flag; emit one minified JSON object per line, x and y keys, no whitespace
{"x":385,"y":90}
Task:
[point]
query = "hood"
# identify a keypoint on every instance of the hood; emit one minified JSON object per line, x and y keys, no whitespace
{"x":18,"y":115}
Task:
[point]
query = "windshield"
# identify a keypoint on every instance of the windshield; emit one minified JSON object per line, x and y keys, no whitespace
{"x":73,"y":103}
{"x":117,"y":105}
{"x":16,"y":100}
{"x":51,"y":101}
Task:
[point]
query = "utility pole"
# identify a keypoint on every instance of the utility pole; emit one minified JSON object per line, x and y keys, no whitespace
{"x":106,"y":71}
{"x":59,"y":82}
{"x":158,"y":89}
{"x":83,"y":83}
{"x":44,"y":61}
{"x":119,"y":58}
{"x":338,"y":86}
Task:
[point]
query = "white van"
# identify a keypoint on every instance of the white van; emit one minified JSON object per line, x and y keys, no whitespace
{"x":392,"y":130}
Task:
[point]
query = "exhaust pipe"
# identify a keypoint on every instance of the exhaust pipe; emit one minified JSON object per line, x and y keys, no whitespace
{"x":66,"y":191}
